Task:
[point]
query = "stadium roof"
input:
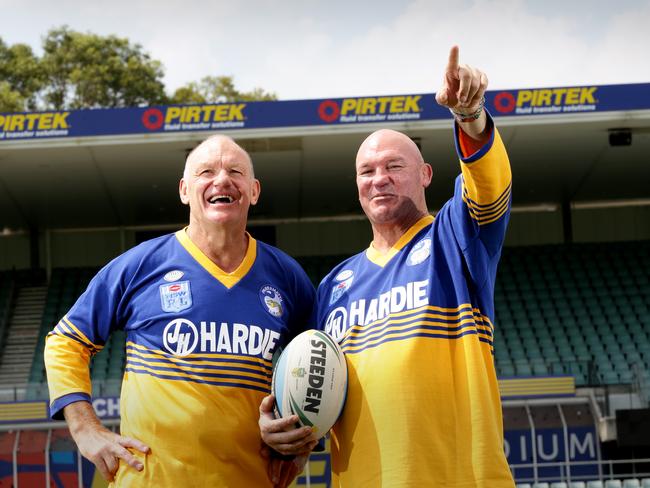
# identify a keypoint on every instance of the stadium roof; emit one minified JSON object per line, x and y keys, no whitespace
{"x":120,"y":167}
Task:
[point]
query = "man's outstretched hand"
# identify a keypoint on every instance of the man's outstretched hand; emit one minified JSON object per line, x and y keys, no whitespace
{"x":462,"y":91}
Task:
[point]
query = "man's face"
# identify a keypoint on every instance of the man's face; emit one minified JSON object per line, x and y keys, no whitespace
{"x":391,"y":178}
{"x":218,"y":183}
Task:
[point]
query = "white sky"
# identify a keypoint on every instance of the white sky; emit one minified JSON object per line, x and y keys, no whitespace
{"x":333,"y":48}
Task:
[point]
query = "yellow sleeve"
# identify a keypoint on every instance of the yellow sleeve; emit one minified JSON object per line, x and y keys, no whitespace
{"x":487,"y":181}
{"x":67,"y":359}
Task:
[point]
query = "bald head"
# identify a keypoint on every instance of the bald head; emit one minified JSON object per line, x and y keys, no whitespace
{"x":215,"y":145}
{"x":391,"y":178}
{"x":385,"y":139}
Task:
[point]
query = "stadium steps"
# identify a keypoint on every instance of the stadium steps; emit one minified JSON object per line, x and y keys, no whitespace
{"x":65,"y":286}
{"x":22,"y":336}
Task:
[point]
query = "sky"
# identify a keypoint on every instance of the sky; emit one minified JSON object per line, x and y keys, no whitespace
{"x":319,"y":49}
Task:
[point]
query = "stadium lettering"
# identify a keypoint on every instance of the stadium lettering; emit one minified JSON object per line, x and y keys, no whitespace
{"x":519,"y":448}
{"x":381,"y":105}
{"x":107,"y":407}
{"x":205,"y":113}
{"x":317,"y":363}
{"x":362,"y":312}
{"x":40,"y":121}
{"x":546,"y":97}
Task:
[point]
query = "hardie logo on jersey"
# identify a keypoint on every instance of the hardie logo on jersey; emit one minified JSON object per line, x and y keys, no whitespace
{"x":420,"y":252}
{"x":175,"y":275}
{"x":180,"y":337}
{"x":344,"y":279}
{"x":272,"y":300}
{"x":176,"y":296}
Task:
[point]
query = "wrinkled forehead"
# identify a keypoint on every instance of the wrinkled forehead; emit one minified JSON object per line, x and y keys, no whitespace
{"x":218,"y":151}
{"x":388,"y":145}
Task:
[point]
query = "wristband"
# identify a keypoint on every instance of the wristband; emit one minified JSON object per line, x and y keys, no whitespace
{"x":462,"y":117}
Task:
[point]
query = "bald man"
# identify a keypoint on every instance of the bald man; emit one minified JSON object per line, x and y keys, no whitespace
{"x":203,"y":310}
{"x":414,"y":313}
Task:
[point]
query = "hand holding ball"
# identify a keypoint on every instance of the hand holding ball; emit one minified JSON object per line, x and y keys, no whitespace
{"x":310,"y":380}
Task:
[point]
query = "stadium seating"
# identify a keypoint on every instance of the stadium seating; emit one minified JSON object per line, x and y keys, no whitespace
{"x":632,"y":483}
{"x":595,"y":484}
{"x":64,"y":288}
{"x":577,"y":310}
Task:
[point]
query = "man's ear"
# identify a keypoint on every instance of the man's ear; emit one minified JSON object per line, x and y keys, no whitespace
{"x":182,"y":192}
{"x":426,"y":175}
{"x":255,"y":191}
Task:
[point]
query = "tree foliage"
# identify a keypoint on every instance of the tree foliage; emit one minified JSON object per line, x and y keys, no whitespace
{"x":88,"y":71}
{"x":85,"y":70}
{"x":216,"y":89}
{"x":21,"y":77}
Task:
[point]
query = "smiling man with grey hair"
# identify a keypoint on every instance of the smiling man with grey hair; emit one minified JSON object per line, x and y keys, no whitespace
{"x":203,"y":309}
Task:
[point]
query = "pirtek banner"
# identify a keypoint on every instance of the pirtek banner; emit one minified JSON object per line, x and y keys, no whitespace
{"x":323,"y":112}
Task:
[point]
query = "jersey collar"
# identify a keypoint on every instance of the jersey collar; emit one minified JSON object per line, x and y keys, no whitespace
{"x":382,"y":259}
{"x":226,"y":279}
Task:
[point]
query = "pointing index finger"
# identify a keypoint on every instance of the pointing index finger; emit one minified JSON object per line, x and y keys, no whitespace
{"x":452,"y":64}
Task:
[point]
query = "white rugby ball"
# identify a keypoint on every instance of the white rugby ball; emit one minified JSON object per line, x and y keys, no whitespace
{"x":310,"y":380}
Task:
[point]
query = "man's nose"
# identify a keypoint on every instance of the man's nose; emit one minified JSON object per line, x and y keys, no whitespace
{"x":221,"y":177}
{"x":380,"y":178}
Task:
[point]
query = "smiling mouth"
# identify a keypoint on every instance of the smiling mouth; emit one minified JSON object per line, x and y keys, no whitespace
{"x":220,"y":199}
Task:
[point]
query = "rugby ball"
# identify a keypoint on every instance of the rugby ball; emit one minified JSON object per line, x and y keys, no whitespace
{"x":310,"y":380}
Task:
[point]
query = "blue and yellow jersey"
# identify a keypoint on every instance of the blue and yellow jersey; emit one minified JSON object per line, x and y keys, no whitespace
{"x":199,"y":348}
{"x":416,"y":324}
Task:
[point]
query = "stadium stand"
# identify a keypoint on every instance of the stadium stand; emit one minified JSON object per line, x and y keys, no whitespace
{"x":6,"y":292}
{"x":66,"y":284}
{"x":579,"y":310}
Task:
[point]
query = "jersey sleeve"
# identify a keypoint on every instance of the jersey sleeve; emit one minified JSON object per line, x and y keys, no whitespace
{"x":78,"y":336}
{"x":305,"y":297}
{"x":480,"y":208}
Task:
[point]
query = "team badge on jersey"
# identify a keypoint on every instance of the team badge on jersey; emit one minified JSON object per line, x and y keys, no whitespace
{"x":272,"y":300}
{"x":344,"y":279}
{"x":175,"y":297}
{"x":420,"y":252}
{"x":175,"y":275}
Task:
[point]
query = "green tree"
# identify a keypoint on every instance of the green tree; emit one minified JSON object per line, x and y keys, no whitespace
{"x":88,"y":71}
{"x":80,"y":70}
{"x":21,"y":78}
{"x":215,"y":89}
{"x":10,"y":99}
